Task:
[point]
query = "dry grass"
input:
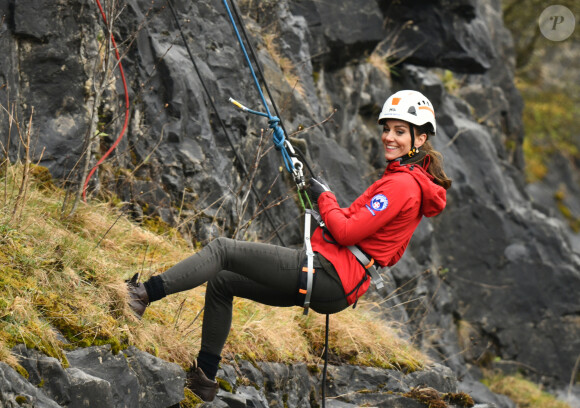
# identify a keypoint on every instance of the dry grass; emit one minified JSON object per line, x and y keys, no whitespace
{"x":63,"y":278}
{"x":524,"y":393}
{"x":286,"y":65}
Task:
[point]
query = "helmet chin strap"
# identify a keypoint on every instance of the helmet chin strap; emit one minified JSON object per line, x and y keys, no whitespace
{"x":414,"y":150}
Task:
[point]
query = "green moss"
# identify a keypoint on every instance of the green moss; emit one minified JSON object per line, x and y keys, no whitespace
{"x":41,"y":177}
{"x":21,"y":399}
{"x":573,"y":221}
{"x":72,"y":326}
{"x":450,"y":83}
{"x":115,"y":343}
{"x":315,"y":76}
{"x":157,"y":225}
{"x":22,"y":371}
{"x":523,"y":392}
{"x":313,"y":400}
{"x":13,"y":279}
{"x":224,"y":385}
{"x":191,"y":400}
{"x":313,"y":368}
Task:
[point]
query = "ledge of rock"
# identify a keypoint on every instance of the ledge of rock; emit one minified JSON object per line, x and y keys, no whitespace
{"x":97,"y":378}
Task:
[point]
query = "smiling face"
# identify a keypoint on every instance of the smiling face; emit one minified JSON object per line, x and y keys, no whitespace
{"x":396,"y":138}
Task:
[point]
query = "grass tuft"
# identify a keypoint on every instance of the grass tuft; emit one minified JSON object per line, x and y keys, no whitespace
{"x":523,"y":392}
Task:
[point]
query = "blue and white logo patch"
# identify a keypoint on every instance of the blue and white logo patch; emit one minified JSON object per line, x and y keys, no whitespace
{"x":378,"y":203}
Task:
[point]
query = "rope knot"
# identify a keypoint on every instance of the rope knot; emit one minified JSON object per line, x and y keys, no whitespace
{"x":273,"y":121}
{"x":278,"y":136}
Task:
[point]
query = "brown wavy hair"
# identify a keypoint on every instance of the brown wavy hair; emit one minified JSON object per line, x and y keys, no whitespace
{"x":431,"y":158}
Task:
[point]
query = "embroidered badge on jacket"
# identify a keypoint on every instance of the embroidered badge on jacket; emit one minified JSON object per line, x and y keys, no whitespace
{"x":378,"y":203}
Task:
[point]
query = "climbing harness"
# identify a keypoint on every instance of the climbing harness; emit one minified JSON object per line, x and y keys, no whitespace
{"x":309,"y":261}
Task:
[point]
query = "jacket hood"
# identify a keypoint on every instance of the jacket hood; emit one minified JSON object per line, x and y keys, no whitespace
{"x":434,"y":197}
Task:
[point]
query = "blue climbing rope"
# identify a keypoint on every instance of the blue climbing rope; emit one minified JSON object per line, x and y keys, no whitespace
{"x":278,"y":137}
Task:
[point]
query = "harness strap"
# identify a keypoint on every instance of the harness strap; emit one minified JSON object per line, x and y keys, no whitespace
{"x":368,"y":264}
{"x":318,"y":218}
{"x":309,"y":260}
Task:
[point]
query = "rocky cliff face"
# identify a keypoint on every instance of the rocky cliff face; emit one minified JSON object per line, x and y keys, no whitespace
{"x":493,"y":280}
{"x":96,"y":378}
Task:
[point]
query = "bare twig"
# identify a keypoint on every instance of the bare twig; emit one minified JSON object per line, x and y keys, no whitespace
{"x":21,"y":197}
{"x":109,"y":229}
{"x":316,"y":124}
{"x":457,"y":134}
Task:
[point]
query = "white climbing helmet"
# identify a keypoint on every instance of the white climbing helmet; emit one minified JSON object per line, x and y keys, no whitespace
{"x":410,"y":106}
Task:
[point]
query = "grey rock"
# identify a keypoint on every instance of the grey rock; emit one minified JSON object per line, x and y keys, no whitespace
{"x":287,"y":384}
{"x":15,"y":391}
{"x":229,"y":400}
{"x":333,"y":403}
{"x":44,"y":372}
{"x":427,"y":41}
{"x":252,"y":396}
{"x":160,"y":383}
{"x":437,"y":376}
{"x":253,"y":374}
{"x":88,"y":391}
{"x":99,"y":362}
{"x":97,"y":378}
{"x":482,"y":395}
{"x":341,"y":33}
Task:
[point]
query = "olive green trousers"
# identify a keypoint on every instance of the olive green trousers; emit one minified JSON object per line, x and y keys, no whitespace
{"x":265,"y":273}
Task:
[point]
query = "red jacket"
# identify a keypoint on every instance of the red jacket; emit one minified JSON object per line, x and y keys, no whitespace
{"x":381,"y":222}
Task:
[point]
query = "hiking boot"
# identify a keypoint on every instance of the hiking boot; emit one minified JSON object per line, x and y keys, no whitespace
{"x":200,"y":385}
{"x":138,"y":296}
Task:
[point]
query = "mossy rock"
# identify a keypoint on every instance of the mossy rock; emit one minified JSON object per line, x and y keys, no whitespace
{"x":42,"y":177}
{"x":191,"y":400}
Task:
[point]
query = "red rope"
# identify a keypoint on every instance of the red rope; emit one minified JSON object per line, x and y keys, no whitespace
{"x":126,"y":108}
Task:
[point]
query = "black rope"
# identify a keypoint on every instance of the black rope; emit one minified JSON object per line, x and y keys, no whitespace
{"x":222,"y":124}
{"x":325,"y":362}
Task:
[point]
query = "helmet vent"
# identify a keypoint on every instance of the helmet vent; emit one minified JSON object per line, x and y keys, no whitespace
{"x":412,"y":110}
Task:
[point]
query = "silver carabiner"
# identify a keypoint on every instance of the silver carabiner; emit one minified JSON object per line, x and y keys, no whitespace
{"x":298,"y":173}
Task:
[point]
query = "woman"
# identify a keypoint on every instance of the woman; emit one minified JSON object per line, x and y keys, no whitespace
{"x":380,"y":223}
